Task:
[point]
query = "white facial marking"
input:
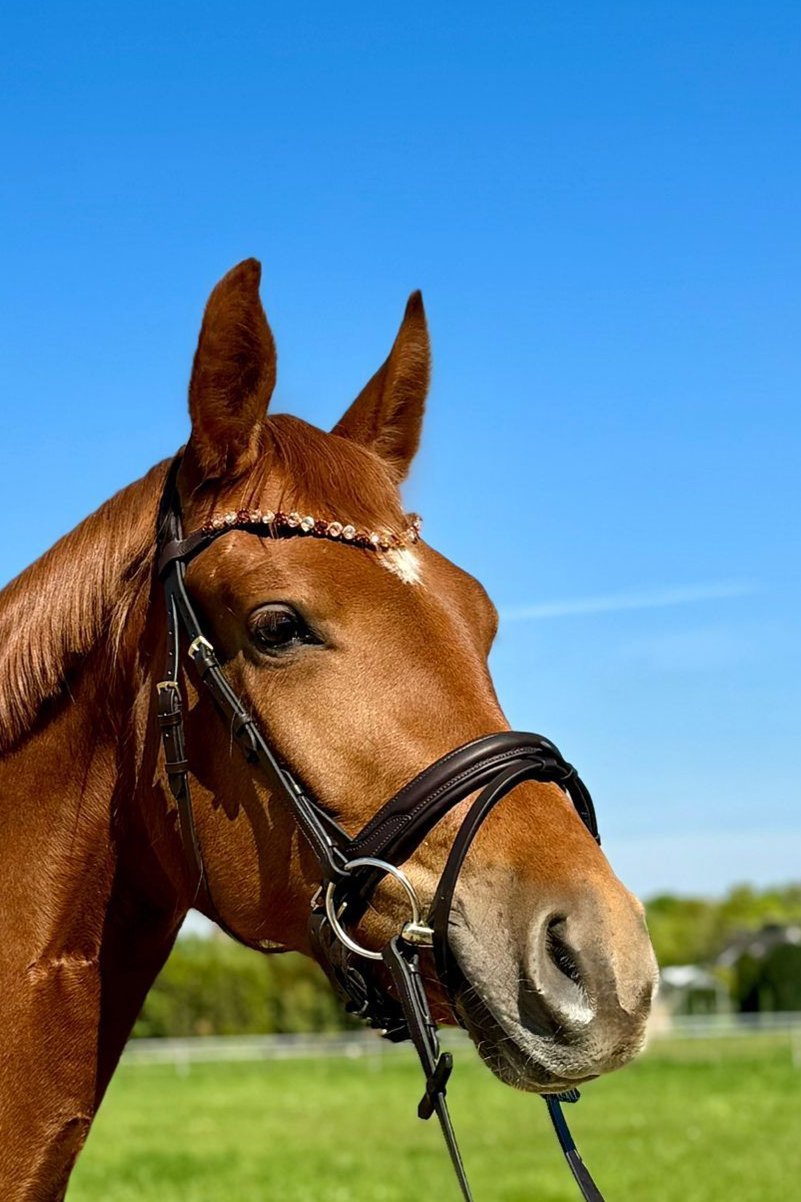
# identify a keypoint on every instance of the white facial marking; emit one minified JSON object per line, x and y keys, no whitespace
{"x":403,"y":562}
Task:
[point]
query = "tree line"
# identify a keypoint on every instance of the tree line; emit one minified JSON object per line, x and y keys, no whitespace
{"x":213,"y":986}
{"x":687,"y":930}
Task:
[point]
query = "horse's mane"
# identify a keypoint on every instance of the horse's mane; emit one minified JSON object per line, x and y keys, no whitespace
{"x":82,"y":589}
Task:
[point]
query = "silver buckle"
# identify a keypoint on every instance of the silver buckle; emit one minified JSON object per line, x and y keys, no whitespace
{"x":197,"y":643}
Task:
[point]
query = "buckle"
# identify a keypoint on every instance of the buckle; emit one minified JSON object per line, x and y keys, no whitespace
{"x":168,"y":703}
{"x":201,"y":643}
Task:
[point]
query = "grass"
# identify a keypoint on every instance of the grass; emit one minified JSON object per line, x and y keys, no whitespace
{"x":689,"y":1122}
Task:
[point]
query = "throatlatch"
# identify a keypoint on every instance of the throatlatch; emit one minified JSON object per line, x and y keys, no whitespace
{"x":352,"y":867}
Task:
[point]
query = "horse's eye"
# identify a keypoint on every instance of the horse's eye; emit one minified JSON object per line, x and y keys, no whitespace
{"x":277,"y":626}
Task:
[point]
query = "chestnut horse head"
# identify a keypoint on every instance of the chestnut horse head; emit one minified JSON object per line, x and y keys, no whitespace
{"x":360,"y":669}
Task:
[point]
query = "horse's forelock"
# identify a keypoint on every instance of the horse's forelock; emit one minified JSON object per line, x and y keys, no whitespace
{"x":326,"y":475}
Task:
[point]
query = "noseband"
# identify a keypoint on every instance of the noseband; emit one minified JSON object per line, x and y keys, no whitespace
{"x":351,"y":867}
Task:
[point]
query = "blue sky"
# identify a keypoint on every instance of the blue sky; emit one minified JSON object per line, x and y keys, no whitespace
{"x":601,"y":204}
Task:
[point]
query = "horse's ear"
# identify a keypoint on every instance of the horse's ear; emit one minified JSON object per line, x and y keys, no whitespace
{"x":387,"y":415}
{"x":233,"y":376}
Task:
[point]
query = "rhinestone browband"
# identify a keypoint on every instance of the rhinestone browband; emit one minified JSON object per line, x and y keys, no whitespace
{"x":281,"y":525}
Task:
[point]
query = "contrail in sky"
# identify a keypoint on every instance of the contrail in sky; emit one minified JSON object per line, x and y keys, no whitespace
{"x":619,"y":602}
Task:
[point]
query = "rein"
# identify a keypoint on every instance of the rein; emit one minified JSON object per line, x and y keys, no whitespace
{"x":352,"y":866}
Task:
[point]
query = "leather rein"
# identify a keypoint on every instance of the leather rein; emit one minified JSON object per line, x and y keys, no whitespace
{"x":352,"y":866}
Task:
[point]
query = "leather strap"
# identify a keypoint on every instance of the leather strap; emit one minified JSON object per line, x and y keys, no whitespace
{"x":581,"y":1174}
{"x":323,"y":833}
{"x":448,"y":970}
{"x":404,"y":966}
{"x":400,"y":826}
{"x":169,"y":713}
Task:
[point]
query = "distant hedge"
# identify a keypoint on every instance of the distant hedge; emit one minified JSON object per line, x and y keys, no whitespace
{"x":769,"y":982}
{"x":213,"y":986}
{"x":695,"y":930}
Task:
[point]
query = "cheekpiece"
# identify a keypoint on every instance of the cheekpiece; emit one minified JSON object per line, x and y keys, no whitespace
{"x":285,"y":525}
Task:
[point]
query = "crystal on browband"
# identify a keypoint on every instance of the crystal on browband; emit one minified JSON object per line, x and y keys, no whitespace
{"x":282,"y":525}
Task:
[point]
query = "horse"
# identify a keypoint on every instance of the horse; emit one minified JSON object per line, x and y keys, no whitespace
{"x":362,"y":665}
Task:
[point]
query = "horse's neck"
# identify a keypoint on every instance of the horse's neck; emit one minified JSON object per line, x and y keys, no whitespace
{"x":88,"y":915}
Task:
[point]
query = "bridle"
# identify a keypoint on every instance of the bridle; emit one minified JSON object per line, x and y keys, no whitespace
{"x":352,"y":866}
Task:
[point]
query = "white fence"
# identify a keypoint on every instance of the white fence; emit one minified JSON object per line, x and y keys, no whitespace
{"x":710,"y":1026}
{"x":342,"y":1044}
{"x":357,"y":1044}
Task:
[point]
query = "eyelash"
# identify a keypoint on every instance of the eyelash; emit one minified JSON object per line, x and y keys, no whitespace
{"x":265,"y":628}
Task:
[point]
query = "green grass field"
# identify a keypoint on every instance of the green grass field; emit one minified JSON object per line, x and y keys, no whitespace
{"x":689,"y":1122}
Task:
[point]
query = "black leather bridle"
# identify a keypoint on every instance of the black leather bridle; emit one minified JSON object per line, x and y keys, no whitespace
{"x":352,"y":866}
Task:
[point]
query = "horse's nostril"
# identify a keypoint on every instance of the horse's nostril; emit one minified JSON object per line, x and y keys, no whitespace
{"x":560,"y":951}
{"x":552,"y":999}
